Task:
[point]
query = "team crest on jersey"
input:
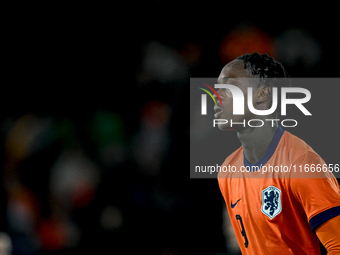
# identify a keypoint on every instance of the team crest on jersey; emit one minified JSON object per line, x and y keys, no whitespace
{"x":271,"y":201}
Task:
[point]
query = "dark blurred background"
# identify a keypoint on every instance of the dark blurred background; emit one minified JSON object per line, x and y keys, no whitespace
{"x":94,"y":127}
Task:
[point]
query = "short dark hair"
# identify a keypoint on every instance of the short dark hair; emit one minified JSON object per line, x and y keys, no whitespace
{"x":265,"y":67}
{"x":269,"y":70}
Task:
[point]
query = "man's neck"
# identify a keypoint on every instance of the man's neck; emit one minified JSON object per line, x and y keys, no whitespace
{"x":255,"y":141}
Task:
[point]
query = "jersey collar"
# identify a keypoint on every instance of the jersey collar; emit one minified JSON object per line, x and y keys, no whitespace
{"x":269,"y":153}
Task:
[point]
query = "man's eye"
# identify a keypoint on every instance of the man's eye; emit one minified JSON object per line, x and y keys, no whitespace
{"x":228,"y":92}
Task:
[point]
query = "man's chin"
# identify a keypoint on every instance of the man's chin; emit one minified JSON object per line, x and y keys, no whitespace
{"x":225,"y":127}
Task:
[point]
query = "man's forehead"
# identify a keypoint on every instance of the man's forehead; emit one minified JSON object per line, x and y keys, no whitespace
{"x":234,"y":69}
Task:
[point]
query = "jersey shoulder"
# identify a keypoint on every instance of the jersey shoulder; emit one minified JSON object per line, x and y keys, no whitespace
{"x":233,"y":159}
{"x":296,"y":148}
{"x":303,"y":158}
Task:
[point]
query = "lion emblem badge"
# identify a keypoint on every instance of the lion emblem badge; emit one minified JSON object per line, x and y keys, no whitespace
{"x":271,"y":201}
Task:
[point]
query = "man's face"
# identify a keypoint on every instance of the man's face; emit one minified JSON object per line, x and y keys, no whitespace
{"x":235,"y":74}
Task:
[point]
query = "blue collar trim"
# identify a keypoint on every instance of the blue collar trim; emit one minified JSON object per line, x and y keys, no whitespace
{"x":269,"y":153}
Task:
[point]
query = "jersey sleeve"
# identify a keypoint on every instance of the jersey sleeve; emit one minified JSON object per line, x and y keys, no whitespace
{"x":318,"y":192}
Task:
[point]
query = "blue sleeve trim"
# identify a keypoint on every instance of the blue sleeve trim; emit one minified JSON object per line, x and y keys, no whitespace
{"x":320,"y":218}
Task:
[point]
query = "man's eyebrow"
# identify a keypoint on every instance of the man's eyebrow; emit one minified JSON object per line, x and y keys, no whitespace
{"x":224,"y":79}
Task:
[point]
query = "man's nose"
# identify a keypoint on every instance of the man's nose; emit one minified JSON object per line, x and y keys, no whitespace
{"x":216,"y":97}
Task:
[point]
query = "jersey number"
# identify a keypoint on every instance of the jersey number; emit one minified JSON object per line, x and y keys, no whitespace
{"x":243,"y":231}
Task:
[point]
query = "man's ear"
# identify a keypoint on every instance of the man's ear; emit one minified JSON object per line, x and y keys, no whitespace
{"x":263,"y":93}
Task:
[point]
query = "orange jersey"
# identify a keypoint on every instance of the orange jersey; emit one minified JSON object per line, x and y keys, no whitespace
{"x":277,"y":212}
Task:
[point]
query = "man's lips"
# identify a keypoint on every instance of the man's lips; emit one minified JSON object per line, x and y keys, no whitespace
{"x":218,"y":111}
